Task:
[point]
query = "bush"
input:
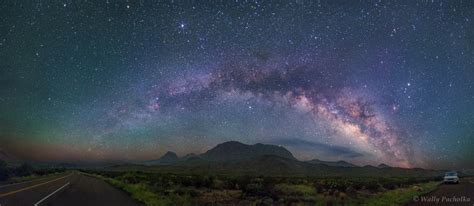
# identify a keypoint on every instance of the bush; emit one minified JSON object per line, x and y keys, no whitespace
{"x":24,"y":170}
{"x":253,"y":189}
{"x":133,"y":178}
{"x":295,"y":190}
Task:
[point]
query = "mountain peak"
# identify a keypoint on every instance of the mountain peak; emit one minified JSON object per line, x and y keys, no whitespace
{"x":169,"y":156}
{"x":230,"y":144}
{"x":383,"y":166}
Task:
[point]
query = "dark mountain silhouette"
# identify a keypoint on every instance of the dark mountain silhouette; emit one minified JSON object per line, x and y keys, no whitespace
{"x":168,"y":158}
{"x":236,"y":151}
{"x":188,"y":156}
{"x":261,"y":159}
{"x":333,"y":164}
{"x":383,"y":166}
{"x":270,"y":165}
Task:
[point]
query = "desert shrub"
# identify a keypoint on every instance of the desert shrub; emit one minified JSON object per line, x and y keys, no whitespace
{"x":338,"y":184}
{"x":183,"y":191}
{"x":187,"y":181}
{"x":41,"y":172}
{"x":218,"y":184}
{"x":133,"y":178}
{"x":184,"y":199}
{"x":269,"y":181}
{"x":241,"y":182}
{"x":231,"y":184}
{"x":23,"y":170}
{"x":373,"y":186}
{"x":253,"y":189}
{"x":294,"y":190}
{"x":204,"y":181}
{"x":350,"y":191}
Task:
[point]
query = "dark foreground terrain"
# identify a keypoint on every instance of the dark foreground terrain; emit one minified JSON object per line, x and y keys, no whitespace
{"x":155,"y":188}
{"x":232,"y":173}
{"x":110,"y":188}
{"x":70,"y":188}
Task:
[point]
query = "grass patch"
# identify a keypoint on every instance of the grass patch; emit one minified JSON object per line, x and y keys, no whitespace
{"x":301,"y":190}
{"x":139,"y":191}
{"x":401,"y":195}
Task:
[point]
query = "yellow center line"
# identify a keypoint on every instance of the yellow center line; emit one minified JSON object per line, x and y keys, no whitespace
{"x":31,"y":187}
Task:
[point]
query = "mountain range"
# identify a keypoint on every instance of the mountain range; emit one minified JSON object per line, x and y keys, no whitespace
{"x":168,"y":158}
{"x":340,"y":163}
{"x":262,"y":159}
{"x":231,"y":151}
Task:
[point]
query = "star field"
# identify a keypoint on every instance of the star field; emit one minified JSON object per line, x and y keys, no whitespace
{"x":368,"y":82}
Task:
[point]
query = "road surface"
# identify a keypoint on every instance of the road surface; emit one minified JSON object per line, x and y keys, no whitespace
{"x":449,"y":194}
{"x":68,"y":189}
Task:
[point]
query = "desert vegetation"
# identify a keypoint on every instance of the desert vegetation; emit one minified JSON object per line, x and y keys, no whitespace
{"x":165,"y":189}
{"x":25,"y":171}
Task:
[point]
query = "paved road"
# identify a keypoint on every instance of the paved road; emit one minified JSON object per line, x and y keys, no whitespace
{"x":68,"y":189}
{"x":449,"y":194}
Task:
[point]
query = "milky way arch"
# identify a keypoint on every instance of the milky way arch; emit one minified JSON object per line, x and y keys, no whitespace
{"x":353,"y":115}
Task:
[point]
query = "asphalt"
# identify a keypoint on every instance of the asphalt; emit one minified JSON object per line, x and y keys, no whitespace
{"x":448,"y":194}
{"x":72,"y":188}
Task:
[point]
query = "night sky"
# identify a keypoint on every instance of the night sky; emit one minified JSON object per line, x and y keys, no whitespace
{"x":367,"y":82}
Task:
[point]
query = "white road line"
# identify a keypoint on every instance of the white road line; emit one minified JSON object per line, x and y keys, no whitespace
{"x":36,"y":204}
